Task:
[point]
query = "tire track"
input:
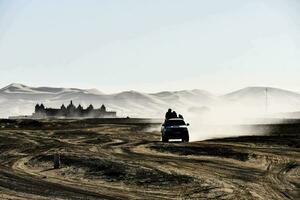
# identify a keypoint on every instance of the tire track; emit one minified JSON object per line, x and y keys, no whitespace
{"x":201,"y":170}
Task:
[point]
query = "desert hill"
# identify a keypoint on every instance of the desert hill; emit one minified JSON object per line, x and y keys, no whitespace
{"x":257,"y":98}
{"x":19,"y":99}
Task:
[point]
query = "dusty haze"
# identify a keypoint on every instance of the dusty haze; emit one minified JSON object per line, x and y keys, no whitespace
{"x":209,"y":115}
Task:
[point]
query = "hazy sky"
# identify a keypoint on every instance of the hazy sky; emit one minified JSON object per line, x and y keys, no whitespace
{"x":151,"y":45}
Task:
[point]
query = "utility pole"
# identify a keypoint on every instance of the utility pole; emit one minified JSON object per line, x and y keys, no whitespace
{"x":266,"y":105}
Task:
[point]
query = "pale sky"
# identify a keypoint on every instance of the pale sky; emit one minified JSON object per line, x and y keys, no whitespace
{"x":151,"y":45}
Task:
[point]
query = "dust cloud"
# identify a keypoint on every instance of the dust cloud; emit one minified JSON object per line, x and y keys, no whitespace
{"x":228,"y":122}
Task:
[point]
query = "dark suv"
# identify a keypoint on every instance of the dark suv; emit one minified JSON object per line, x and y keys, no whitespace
{"x":174,"y":128}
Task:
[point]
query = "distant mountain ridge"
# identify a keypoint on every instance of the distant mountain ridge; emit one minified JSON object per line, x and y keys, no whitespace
{"x":254,"y":91}
{"x":20,"y":88}
{"x":19,"y":99}
{"x":272,"y":99}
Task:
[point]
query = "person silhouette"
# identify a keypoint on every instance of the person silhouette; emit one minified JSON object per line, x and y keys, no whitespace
{"x":180,"y":116}
{"x":174,"y":114}
{"x":168,"y":114}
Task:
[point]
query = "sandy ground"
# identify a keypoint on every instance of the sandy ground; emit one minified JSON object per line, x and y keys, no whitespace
{"x":128,"y":161}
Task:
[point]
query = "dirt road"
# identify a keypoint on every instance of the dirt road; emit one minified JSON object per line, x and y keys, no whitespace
{"x":128,"y":161}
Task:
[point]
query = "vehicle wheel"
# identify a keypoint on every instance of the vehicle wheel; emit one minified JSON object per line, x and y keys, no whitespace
{"x":165,"y":139}
{"x":185,"y":139}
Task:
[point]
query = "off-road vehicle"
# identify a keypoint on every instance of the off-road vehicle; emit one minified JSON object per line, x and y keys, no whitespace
{"x":174,"y":128}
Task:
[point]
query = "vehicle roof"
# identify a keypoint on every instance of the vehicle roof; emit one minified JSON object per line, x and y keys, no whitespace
{"x":174,"y":119}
